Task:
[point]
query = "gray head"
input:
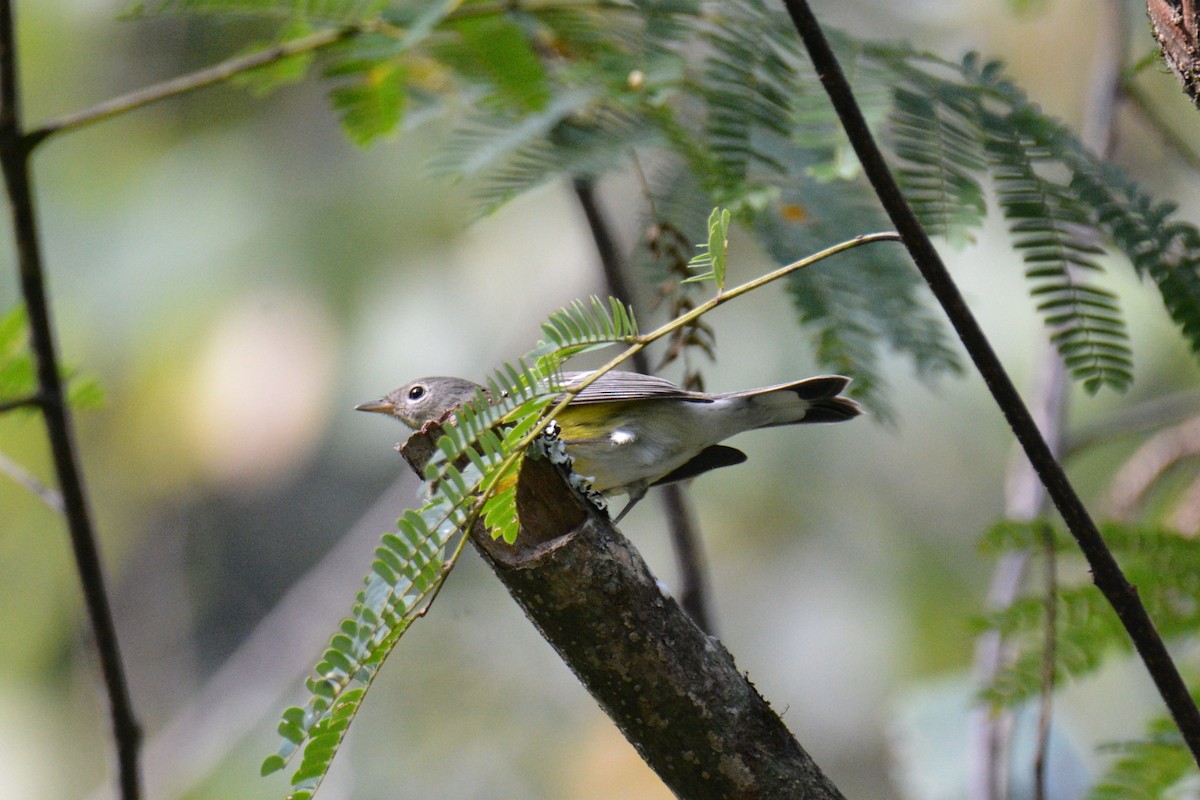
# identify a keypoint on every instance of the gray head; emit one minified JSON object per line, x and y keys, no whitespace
{"x":424,"y":400}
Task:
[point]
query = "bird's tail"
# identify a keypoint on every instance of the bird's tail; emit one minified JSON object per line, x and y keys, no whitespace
{"x":814,"y":399}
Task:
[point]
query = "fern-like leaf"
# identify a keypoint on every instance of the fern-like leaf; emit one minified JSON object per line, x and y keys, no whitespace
{"x":471,"y":477}
{"x":582,"y":327}
{"x":941,"y":147}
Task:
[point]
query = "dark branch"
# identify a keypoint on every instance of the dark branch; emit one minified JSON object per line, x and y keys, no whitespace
{"x":689,"y":553}
{"x":675,"y":693}
{"x":1105,"y":571}
{"x":14,"y":160}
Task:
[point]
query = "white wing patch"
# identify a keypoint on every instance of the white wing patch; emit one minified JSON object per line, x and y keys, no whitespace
{"x":620,"y":437}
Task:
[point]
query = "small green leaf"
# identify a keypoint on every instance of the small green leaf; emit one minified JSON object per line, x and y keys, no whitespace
{"x":374,"y":105}
{"x":712,"y":255}
{"x":271,"y":764}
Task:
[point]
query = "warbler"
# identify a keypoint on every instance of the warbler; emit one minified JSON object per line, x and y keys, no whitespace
{"x":627,"y":431}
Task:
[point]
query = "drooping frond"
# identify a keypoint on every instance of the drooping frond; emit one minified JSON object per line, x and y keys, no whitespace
{"x":407,"y":571}
{"x":941,"y":147}
{"x":1051,"y":231}
{"x":747,"y":87}
{"x":471,"y":478}
{"x":955,"y":124}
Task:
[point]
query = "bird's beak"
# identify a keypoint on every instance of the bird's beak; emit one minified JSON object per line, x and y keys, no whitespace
{"x":376,"y":406}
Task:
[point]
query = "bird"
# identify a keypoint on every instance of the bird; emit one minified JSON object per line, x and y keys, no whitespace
{"x":628,"y":431}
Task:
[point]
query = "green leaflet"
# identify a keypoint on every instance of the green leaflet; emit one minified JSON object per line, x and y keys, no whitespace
{"x":1165,"y":567}
{"x":472,"y":460}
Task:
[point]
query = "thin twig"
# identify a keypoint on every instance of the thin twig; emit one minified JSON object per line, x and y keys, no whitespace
{"x":14,"y":161}
{"x":190,"y":82}
{"x":1148,"y":415}
{"x":989,"y":732}
{"x":1046,"y":707}
{"x":689,"y":553}
{"x":51,"y":497}
{"x":1105,"y":571}
{"x":20,"y":402}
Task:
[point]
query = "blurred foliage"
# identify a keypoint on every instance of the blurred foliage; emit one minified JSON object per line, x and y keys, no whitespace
{"x":741,"y":122}
{"x":1164,"y":565}
{"x":576,"y":90}
{"x":18,"y":379}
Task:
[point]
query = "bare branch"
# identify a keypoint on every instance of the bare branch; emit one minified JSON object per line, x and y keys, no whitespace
{"x":675,"y":693}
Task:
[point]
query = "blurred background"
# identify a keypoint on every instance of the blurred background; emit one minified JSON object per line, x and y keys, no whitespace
{"x":238,"y":276}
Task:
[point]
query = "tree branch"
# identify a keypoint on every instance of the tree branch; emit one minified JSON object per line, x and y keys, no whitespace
{"x":191,"y":82}
{"x":1105,"y":571}
{"x":689,"y":553}
{"x":1175,"y":26}
{"x":674,"y":692}
{"x":14,"y":161}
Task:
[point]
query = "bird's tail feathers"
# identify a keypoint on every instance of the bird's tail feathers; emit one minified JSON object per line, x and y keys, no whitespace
{"x":815,"y":399}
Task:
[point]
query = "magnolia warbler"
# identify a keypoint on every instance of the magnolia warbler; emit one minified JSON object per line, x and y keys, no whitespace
{"x":628,"y":431}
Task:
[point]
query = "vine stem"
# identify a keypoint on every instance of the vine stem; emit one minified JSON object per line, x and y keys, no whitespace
{"x":14,"y":161}
{"x":1106,"y":573}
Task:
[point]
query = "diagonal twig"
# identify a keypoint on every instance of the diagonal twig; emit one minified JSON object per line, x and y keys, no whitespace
{"x":1106,"y":572}
{"x":190,"y":82}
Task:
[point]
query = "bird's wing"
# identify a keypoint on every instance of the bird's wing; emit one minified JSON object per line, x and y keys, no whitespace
{"x":617,"y":386}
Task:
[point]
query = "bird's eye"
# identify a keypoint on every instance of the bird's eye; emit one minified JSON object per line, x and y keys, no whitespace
{"x":416,"y":393}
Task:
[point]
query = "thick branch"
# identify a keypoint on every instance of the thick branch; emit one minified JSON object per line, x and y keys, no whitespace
{"x":674,"y":692}
{"x":1105,"y":571}
{"x":689,"y":553}
{"x":1176,"y":28}
{"x":14,"y":160}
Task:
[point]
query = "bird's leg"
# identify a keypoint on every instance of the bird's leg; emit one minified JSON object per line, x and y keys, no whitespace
{"x":636,"y":492}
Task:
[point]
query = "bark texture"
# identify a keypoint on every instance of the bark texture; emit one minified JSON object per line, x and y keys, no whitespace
{"x":674,"y":692}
